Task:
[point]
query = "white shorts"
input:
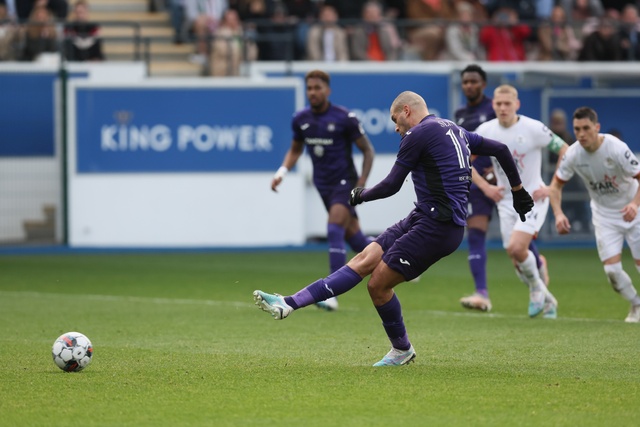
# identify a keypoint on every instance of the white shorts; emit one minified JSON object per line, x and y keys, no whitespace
{"x":510,"y":220}
{"x":612,"y":231}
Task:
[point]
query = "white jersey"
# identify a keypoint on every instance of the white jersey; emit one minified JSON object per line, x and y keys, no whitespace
{"x":608,"y":173}
{"x":526,"y":138}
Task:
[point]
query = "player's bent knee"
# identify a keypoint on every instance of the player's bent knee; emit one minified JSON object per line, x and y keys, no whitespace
{"x":617,"y":277}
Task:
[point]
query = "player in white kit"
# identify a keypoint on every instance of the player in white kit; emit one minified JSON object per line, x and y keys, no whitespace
{"x":610,"y":172}
{"x":526,"y":138}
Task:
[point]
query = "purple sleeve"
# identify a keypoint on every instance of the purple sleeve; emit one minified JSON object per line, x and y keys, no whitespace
{"x":388,"y":186}
{"x":491,"y":147}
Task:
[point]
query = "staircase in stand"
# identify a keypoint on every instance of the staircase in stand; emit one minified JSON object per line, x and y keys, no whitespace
{"x":120,"y":18}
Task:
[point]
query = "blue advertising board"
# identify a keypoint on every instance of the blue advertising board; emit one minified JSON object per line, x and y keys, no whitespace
{"x":182,"y":129}
{"x":27,"y":116}
{"x":28,"y":112}
{"x":370,"y":94}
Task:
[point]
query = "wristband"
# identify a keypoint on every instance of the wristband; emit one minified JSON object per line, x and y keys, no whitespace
{"x":281,"y":172}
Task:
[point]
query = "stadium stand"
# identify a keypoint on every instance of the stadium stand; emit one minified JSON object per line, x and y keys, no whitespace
{"x":128,"y":24}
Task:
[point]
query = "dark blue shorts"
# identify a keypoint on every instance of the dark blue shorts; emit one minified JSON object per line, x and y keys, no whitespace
{"x":337,"y":195}
{"x":417,"y":242}
{"x":479,"y":204}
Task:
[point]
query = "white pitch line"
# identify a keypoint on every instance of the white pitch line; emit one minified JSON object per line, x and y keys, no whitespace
{"x":238,"y":304}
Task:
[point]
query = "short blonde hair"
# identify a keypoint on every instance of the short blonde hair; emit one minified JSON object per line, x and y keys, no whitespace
{"x":506,"y":89}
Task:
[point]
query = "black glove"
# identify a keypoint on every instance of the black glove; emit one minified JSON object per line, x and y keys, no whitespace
{"x":522,"y":202}
{"x":355,"y":198}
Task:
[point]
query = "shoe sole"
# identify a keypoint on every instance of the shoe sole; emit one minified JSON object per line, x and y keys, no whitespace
{"x":475,"y":307}
{"x":276,"y":312}
{"x":404,"y":362}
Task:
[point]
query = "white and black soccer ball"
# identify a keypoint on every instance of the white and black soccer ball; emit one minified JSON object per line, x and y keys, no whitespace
{"x":72,"y":352}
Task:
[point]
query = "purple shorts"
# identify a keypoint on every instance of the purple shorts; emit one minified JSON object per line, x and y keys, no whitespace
{"x":337,"y":195}
{"x":479,"y":204}
{"x":417,"y":242}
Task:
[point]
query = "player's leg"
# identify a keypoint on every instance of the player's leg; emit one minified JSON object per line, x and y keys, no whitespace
{"x":477,"y":226}
{"x":339,"y":218}
{"x":525,"y":263}
{"x":337,"y":283}
{"x":355,"y":237}
{"x":610,"y":237}
{"x":517,"y":236}
{"x":425,"y":242}
{"x":541,"y":262}
{"x":387,"y":304}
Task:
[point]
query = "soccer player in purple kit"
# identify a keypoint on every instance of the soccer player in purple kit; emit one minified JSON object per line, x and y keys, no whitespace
{"x":478,"y":110}
{"x":436,"y":153}
{"x":329,"y":131}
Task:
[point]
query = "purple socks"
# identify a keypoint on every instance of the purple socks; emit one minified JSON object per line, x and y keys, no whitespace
{"x":337,"y":248}
{"x":333,"y":285}
{"x":478,"y":259}
{"x":359,"y":241}
{"x":391,"y":315}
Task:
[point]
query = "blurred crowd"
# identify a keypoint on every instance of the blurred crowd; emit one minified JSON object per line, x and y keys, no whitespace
{"x":33,"y":29}
{"x":390,"y":30}
{"x":226,"y":32}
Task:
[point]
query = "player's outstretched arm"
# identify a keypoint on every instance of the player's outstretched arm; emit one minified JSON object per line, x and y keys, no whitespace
{"x":522,"y":201}
{"x":630,"y":211}
{"x":493,"y":192}
{"x":368,"y":153}
{"x":389,"y":186}
{"x":290,"y":160}
{"x":563,"y":226}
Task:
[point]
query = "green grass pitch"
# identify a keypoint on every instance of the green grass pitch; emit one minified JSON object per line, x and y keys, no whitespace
{"x":178,"y":341}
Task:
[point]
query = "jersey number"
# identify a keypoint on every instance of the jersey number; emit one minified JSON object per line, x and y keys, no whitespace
{"x":463,"y":159}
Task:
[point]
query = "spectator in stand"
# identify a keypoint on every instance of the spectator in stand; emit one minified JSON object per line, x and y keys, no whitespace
{"x":556,"y":39}
{"x":583,"y":15}
{"x":327,"y":41}
{"x":24,"y":8}
{"x":504,"y":39}
{"x":579,"y":11}
{"x":461,"y":36}
{"x":177,"y":16}
{"x":230,"y":47}
{"x":203,"y":17}
{"x":629,"y":33}
{"x":428,"y":40}
{"x":41,"y":34}
{"x":277,"y":36}
{"x":349,"y":10}
{"x":526,"y":9}
{"x":9,"y":36}
{"x":602,"y":44}
{"x":253,"y":14}
{"x":10,"y":13}
{"x":82,"y":37}
{"x":375,"y":39}
{"x":302,"y":14}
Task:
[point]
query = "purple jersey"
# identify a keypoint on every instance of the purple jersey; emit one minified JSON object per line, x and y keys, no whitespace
{"x":329,"y":138}
{"x":472,"y":116}
{"x":437,"y":152}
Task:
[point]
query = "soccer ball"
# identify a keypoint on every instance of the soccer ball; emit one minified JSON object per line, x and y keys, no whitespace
{"x":72,"y":352}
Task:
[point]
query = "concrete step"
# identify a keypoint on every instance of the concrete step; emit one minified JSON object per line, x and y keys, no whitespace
{"x":118,"y":5}
{"x":129,"y":31}
{"x":174,"y":69}
{"x":156,"y":48}
{"x":143,"y":18}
